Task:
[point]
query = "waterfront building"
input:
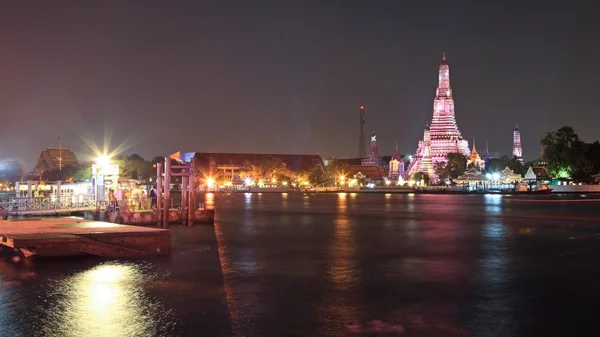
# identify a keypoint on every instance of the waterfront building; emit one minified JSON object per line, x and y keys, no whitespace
{"x":472,"y":176}
{"x":508,"y":176}
{"x":229,"y":165}
{"x":373,"y":159}
{"x":54,"y":159}
{"x":537,"y":174}
{"x":365,"y":175}
{"x":396,"y":165}
{"x":474,"y":159}
{"x":443,"y":132}
{"x":517,"y":149}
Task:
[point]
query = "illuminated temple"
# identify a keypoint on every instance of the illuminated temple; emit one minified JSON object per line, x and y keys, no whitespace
{"x":442,"y":135}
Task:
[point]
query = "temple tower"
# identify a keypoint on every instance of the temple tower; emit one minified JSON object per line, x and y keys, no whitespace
{"x":373,"y":159}
{"x":445,"y":136}
{"x":443,"y":133}
{"x":475,"y":159}
{"x":517,"y":149}
{"x":396,"y":165}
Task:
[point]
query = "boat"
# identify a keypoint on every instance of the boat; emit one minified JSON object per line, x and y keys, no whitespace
{"x":538,"y":188}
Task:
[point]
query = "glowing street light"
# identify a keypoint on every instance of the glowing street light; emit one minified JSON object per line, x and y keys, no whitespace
{"x":103,"y":161}
{"x":210,"y":182}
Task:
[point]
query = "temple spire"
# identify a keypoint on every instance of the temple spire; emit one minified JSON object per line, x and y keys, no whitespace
{"x":474,"y":149}
{"x":444,"y":57}
{"x":516,"y":126}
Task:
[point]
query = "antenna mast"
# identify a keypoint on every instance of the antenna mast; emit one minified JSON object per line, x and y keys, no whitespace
{"x":362,"y":152}
{"x":59,"y":155}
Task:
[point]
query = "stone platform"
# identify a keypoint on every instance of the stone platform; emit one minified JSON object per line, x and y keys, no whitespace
{"x":74,"y":236}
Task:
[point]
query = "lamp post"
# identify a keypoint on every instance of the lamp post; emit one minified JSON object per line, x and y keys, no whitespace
{"x":98,"y":171}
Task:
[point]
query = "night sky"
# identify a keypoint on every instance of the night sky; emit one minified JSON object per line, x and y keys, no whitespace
{"x":289,"y":76}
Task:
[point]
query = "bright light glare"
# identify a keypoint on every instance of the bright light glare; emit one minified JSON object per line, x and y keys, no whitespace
{"x":210,"y":182}
{"x":106,"y":274}
{"x":103,"y":161}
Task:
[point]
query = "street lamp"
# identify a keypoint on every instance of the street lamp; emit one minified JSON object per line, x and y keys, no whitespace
{"x":210,"y":182}
{"x":103,"y":161}
{"x":99,"y":170}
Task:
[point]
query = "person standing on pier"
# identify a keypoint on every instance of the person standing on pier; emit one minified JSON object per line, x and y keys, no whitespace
{"x":153,"y":197}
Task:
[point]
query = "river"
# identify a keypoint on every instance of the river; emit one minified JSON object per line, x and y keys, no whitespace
{"x":340,"y":264}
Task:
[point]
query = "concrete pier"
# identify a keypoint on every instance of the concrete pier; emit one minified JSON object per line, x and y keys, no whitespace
{"x":74,"y":236}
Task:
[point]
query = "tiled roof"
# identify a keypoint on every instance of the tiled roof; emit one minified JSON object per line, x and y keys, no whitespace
{"x":372,"y":172}
{"x":49,"y":159}
{"x":294,"y":162}
{"x":540,"y":172}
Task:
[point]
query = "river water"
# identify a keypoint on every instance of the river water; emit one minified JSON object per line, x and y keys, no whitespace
{"x":342,"y":264}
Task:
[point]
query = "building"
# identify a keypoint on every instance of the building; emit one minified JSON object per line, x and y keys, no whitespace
{"x":396,"y":165}
{"x":373,"y":159}
{"x":517,"y":149}
{"x":423,"y":163}
{"x":537,"y":174}
{"x":443,"y":132}
{"x":370,"y":174}
{"x":474,"y":159}
{"x":229,"y":165}
{"x":54,"y":159}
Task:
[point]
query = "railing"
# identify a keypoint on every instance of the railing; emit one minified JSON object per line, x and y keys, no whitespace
{"x":39,"y":205}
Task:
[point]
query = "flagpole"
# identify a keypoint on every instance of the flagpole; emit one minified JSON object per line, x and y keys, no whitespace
{"x":60,"y":155}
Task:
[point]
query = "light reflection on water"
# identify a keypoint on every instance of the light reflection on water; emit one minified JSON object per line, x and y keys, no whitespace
{"x":105,"y":301}
{"x":339,"y":307}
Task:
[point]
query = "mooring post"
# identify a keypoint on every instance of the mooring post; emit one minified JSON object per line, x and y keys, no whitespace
{"x":159,"y":180}
{"x":184,"y":191}
{"x":167,"y":184}
{"x":191,"y":196}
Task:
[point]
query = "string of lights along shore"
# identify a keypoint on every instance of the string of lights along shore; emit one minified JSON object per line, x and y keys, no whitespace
{"x":442,"y":135}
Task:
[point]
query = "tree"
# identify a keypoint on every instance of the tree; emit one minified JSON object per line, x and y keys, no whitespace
{"x":318,"y":177}
{"x":516,"y":166}
{"x":457,"y":164}
{"x":418,"y":176}
{"x":83,"y":173}
{"x":453,"y":168}
{"x":136,"y":167}
{"x":440,"y":170}
{"x":493,"y":165}
{"x":65,"y":174}
{"x":562,"y":150}
{"x":593,"y":155}
{"x":266,"y":170}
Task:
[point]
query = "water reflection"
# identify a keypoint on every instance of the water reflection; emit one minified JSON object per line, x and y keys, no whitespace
{"x":340,"y":305}
{"x":493,"y":204}
{"x":388,"y":202}
{"x":209,"y":200}
{"x":284,"y":200}
{"x":493,"y":282}
{"x":108,"y":300}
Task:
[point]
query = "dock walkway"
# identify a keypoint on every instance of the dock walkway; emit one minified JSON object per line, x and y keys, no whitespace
{"x":73,"y":236}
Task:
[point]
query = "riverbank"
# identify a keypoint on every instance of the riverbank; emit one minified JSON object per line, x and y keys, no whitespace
{"x":425,"y":190}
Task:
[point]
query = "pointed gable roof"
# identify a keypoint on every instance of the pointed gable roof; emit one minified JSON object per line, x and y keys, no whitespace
{"x":530,"y":175}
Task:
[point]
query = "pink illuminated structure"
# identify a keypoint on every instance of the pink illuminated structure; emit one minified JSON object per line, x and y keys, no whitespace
{"x":442,"y":136}
{"x":517,"y":149}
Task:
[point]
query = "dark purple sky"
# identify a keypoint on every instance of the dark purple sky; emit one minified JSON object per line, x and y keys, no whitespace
{"x":289,"y":76}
